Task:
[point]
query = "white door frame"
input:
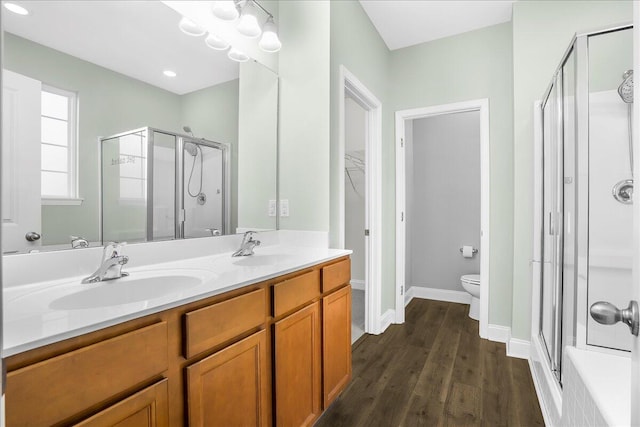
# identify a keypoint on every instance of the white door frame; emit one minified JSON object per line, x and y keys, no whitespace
{"x":481,"y":105}
{"x":349,"y":83}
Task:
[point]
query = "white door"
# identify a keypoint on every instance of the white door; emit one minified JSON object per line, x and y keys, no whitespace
{"x":21,"y":205}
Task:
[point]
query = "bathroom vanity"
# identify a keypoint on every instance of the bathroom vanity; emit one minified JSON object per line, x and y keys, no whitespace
{"x":274,"y":349}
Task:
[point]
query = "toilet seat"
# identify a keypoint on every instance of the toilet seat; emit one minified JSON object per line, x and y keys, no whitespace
{"x":473,"y":279}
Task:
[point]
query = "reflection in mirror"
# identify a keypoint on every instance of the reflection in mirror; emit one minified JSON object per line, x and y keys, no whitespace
{"x":146,"y":200}
{"x":71,"y":81}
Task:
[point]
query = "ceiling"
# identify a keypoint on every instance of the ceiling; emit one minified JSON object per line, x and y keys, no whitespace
{"x":403,"y":23}
{"x":121,"y":36}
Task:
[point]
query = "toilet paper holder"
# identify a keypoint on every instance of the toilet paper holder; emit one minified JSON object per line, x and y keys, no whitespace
{"x":475,"y":250}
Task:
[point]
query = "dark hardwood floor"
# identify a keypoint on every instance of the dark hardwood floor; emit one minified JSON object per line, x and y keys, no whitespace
{"x":434,"y":370}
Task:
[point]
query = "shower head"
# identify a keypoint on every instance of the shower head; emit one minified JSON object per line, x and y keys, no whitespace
{"x":191,"y":148}
{"x":625,"y":90}
{"x":187,"y":129}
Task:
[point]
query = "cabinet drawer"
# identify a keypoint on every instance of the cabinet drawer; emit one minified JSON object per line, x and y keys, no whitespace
{"x":209,"y":326}
{"x":295,"y":292}
{"x":148,"y":407}
{"x":51,"y":391}
{"x":336,"y":275}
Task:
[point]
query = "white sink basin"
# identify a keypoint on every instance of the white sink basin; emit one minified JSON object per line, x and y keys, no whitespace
{"x":139,"y":286}
{"x":258,"y":260}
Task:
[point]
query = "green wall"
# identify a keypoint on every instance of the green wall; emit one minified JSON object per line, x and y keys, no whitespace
{"x":367,"y":57}
{"x":257,"y":144}
{"x":542,"y":31}
{"x":464,"y":67}
{"x":304,"y":114}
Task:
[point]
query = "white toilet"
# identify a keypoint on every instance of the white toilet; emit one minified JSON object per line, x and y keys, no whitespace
{"x":471,"y":284}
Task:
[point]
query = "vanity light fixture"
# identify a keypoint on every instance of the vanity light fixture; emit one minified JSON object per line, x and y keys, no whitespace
{"x":215,"y":42}
{"x":248,"y":24}
{"x":237,"y":55}
{"x":12,"y":7}
{"x":169,"y":73}
{"x":269,"y":42}
{"x":191,"y":28}
{"x":225,"y":10}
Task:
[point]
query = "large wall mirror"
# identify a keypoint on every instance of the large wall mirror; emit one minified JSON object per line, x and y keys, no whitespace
{"x":119,"y":126}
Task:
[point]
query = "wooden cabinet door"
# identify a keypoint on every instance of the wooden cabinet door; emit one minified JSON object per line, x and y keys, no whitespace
{"x":231,"y":387}
{"x":336,"y":343}
{"x":147,"y":408}
{"x":297,"y":368}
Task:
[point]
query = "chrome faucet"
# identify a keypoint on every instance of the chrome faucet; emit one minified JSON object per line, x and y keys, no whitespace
{"x":214,"y":231}
{"x":111,"y":267}
{"x":78,"y":242}
{"x":248,"y":244}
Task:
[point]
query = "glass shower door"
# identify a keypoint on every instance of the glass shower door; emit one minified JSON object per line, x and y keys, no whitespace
{"x":551,"y":290}
{"x":203,"y":193}
{"x":610,"y":183}
{"x":124,"y":187}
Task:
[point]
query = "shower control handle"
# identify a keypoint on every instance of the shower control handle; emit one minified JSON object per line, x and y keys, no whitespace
{"x":608,"y":314}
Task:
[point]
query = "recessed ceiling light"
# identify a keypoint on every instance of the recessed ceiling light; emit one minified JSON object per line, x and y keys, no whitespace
{"x":12,"y":7}
{"x":169,"y":73}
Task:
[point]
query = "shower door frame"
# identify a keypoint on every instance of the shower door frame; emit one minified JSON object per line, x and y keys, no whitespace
{"x":226,"y":181}
{"x":178,"y":183}
{"x":575,"y":302}
{"x":582,"y":190}
{"x":547,"y":384}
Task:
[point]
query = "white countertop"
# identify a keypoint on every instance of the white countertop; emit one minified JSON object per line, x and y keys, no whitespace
{"x":42,"y":313}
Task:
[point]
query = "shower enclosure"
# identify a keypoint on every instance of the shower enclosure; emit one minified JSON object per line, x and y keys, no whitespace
{"x":159,"y":185}
{"x":584,"y":214}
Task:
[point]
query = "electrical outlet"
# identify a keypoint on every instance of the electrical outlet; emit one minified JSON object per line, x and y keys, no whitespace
{"x":272,"y":208}
{"x":284,"y":207}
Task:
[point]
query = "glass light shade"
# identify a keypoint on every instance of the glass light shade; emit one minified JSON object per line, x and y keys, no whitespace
{"x":238,"y":56}
{"x":169,"y":73}
{"x":215,"y":42}
{"x":12,"y":7}
{"x":248,"y":23}
{"x":190,"y":28}
{"x":225,"y":10}
{"x":269,"y":42}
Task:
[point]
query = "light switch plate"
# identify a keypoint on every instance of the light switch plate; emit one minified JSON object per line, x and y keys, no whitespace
{"x":272,"y":208}
{"x":284,"y":207}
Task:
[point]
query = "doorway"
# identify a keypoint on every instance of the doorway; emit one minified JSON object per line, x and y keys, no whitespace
{"x":359,"y":200}
{"x":404,"y":133}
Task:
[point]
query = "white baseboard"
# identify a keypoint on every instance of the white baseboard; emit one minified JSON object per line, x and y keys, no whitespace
{"x":518,"y":348}
{"x":357,"y":284}
{"x":387,"y":319}
{"x":515,"y":347}
{"x":447,"y":295}
{"x":408,"y":296}
{"x":499,"y":333}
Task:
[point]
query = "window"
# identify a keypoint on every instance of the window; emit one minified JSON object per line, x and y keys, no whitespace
{"x":58,"y":145}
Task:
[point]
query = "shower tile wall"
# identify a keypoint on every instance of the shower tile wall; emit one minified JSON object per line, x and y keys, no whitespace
{"x":578,"y":406}
{"x":444,"y":205}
